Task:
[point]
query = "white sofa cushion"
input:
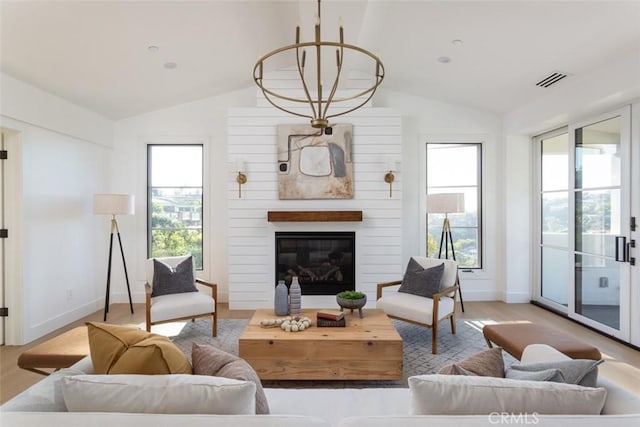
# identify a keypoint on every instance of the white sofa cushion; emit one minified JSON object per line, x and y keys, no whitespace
{"x":496,"y":419}
{"x":166,"y":394}
{"x":84,"y":419}
{"x":475,"y":395}
{"x":333,"y":404}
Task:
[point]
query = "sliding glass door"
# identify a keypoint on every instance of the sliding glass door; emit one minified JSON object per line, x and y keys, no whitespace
{"x":601,"y":213}
{"x":554,"y":218}
{"x":584,"y":238}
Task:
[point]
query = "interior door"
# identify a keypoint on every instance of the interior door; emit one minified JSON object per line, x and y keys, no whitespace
{"x":2,"y":240}
{"x":601,"y":223}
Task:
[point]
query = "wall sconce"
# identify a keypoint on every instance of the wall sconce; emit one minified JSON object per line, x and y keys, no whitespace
{"x":389,"y":177}
{"x":241,"y":178}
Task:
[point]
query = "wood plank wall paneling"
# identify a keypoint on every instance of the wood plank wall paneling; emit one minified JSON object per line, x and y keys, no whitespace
{"x":251,"y":238}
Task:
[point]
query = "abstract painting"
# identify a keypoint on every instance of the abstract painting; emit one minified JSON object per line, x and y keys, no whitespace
{"x":315,"y":164}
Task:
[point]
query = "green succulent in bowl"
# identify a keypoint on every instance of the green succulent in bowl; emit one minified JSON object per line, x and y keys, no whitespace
{"x":351,"y":295}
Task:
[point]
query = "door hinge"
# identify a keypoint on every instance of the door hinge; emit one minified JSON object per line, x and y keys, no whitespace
{"x":3,"y":155}
{"x":4,"y":311}
{"x":4,"y":233}
{"x":632,"y":261}
{"x":633,"y":223}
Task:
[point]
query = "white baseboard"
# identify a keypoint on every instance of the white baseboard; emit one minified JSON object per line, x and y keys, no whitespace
{"x":473,"y":295}
{"x":517,"y":297}
{"x":43,"y":328}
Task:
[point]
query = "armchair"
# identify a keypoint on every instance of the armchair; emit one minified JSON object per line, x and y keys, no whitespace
{"x":423,"y":310}
{"x":180,"y":299}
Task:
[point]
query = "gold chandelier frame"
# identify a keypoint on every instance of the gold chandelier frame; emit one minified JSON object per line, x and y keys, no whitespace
{"x":319,"y":105}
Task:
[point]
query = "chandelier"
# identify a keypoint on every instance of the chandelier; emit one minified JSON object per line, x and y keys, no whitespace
{"x":319,"y":102}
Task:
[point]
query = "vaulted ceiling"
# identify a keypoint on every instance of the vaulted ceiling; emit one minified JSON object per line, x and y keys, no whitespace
{"x":97,"y":53}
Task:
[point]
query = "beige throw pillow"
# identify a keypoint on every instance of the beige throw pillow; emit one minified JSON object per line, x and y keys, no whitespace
{"x":119,"y":349}
{"x":475,"y":395}
{"x":209,"y":360}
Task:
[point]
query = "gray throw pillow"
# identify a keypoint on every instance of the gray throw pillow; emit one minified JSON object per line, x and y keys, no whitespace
{"x":553,"y":375}
{"x":173,"y":281}
{"x":582,"y":372}
{"x":420,"y":281}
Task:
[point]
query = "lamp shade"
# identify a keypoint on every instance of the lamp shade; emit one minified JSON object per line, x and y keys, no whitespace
{"x":445,"y":203}
{"x":113,"y":204}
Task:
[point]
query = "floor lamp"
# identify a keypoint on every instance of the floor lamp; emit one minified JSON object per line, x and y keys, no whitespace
{"x":446,"y":203}
{"x":114,"y":204}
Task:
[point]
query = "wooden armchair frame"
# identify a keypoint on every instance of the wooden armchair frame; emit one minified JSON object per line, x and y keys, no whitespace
{"x":214,"y":315}
{"x":436,"y":302}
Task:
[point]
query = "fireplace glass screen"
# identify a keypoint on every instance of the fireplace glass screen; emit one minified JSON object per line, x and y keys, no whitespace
{"x":323,"y":261}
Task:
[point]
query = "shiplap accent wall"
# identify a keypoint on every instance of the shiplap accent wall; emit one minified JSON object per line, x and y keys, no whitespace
{"x":252,"y":134}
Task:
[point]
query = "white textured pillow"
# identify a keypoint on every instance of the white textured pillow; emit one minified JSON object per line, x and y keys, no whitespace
{"x":159,"y":394}
{"x":476,"y":395}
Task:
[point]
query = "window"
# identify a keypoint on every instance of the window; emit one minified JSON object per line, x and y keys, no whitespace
{"x":174,"y":201}
{"x":456,"y":168}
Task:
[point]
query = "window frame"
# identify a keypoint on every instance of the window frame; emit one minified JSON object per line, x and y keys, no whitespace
{"x":479,"y":141}
{"x":537,"y":205}
{"x":183,"y":142}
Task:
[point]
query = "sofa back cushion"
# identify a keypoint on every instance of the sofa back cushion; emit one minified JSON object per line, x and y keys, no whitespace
{"x":476,"y":395}
{"x":619,"y":400}
{"x":158,"y":394}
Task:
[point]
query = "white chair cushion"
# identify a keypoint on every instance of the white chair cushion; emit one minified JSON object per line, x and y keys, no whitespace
{"x":175,"y":306}
{"x":450,"y":269}
{"x":170,"y":261}
{"x":413,"y":307}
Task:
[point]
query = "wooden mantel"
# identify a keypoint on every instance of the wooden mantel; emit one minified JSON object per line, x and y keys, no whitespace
{"x":314,"y":216}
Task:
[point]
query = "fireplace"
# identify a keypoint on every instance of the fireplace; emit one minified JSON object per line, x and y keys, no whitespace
{"x":323,"y":261}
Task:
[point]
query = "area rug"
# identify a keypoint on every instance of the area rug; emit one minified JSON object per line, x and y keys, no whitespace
{"x":418,"y":359}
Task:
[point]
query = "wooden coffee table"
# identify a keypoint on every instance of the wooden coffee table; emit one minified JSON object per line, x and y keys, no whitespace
{"x":366,"y":349}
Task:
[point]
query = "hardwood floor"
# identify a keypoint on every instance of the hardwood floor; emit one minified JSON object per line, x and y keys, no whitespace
{"x":622,"y":362}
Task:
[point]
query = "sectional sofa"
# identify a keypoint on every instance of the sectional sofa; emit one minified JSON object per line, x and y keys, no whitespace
{"x":43,"y":405}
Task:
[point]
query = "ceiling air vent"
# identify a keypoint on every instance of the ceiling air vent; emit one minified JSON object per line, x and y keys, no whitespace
{"x":552,"y":78}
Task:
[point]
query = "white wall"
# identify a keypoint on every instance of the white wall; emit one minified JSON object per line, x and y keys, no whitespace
{"x":29,"y":104}
{"x":60,"y":273}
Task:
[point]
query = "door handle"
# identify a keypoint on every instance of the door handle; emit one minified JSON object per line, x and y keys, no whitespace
{"x":621,"y":249}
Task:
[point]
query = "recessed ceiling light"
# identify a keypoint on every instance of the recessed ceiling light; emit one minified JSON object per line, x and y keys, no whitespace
{"x":444,"y":59}
{"x":170,"y":65}
{"x":153,"y":48}
{"x":457,"y":42}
